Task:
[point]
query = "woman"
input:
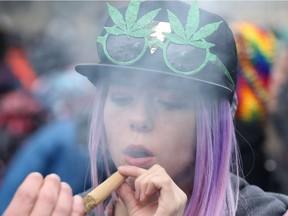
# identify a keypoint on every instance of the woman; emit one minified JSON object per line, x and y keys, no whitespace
{"x":163,"y":117}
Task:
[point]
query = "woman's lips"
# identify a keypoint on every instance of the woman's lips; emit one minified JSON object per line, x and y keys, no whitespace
{"x":136,"y":155}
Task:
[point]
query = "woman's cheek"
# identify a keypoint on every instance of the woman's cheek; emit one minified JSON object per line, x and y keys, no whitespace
{"x":115,"y":143}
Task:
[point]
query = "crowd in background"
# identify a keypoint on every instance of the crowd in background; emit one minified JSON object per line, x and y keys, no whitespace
{"x":45,"y":107}
{"x":262,"y":81}
{"x":44,"y":111}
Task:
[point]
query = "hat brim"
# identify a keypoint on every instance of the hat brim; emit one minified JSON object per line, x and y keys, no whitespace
{"x":94,"y":72}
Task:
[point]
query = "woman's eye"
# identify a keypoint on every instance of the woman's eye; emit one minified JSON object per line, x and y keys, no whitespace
{"x":121,"y":100}
{"x":171,"y":105}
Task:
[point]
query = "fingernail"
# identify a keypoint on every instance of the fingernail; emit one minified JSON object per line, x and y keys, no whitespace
{"x":54,"y":176}
{"x":121,"y":168}
{"x":66,"y":186}
{"x":36,"y":175}
{"x":78,"y":200}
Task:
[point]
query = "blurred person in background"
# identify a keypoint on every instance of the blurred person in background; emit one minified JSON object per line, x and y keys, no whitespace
{"x":59,"y":146}
{"x":256,"y":51}
{"x":277,"y":130}
{"x":21,"y":114}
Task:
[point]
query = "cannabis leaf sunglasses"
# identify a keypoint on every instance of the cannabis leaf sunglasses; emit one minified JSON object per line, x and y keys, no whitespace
{"x":145,"y":33}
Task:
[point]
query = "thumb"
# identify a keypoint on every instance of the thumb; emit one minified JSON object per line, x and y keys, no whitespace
{"x":127,"y":195}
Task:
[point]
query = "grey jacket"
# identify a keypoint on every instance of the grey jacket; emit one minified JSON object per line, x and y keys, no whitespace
{"x":255,"y":202}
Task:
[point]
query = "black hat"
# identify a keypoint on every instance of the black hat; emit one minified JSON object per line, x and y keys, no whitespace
{"x":167,"y":37}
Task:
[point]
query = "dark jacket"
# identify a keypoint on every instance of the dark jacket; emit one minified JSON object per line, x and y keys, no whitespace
{"x":255,"y":202}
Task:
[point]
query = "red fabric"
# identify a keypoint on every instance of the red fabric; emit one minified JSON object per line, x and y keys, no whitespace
{"x":20,"y":67}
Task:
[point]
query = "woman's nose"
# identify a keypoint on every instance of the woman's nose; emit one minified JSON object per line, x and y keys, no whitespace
{"x":141,"y":119}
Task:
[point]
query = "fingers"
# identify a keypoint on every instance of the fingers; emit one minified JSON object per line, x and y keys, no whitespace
{"x":64,"y":202}
{"x":78,"y":206}
{"x":152,"y":187}
{"x":127,"y":196}
{"x":37,"y":196}
{"x":145,"y":185}
{"x":147,"y":182}
{"x":131,"y":171}
{"x":26,"y":196}
{"x":48,"y":196}
{"x":55,"y":198}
